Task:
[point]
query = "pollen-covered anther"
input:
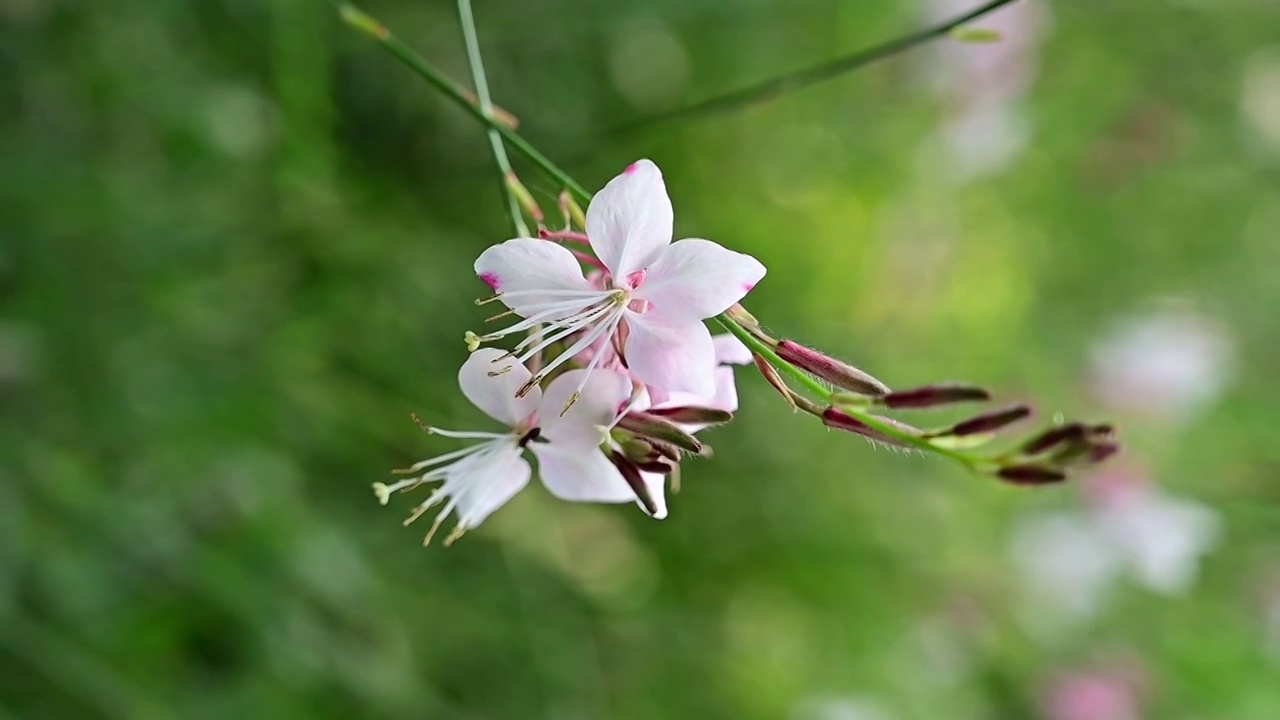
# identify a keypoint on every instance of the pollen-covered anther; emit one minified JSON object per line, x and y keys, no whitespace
{"x":473,"y":341}
{"x":569,"y":403}
{"x":383,"y":492}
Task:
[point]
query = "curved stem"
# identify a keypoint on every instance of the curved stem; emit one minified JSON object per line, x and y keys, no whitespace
{"x":379,"y":33}
{"x":468,"y":22}
{"x":774,"y":87}
{"x":870,"y":420}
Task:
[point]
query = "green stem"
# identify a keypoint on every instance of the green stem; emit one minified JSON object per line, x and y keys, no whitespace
{"x":379,"y":33}
{"x":468,"y":22}
{"x":777,"y":86}
{"x":809,"y":383}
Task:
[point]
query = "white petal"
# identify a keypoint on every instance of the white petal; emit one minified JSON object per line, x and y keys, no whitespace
{"x":674,"y":354}
{"x":581,"y":476}
{"x":524,"y":264}
{"x":581,"y":429}
{"x":655,"y":483}
{"x":489,"y":485}
{"x":495,"y":395}
{"x":726,"y":394}
{"x":629,"y":221}
{"x":731,"y":351}
{"x":699,"y":279}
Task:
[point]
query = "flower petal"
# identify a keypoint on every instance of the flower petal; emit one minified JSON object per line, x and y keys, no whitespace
{"x":524,"y":264}
{"x":489,"y":485}
{"x":629,"y":221}
{"x":580,"y":476}
{"x":698,"y":279}
{"x":655,"y":483}
{"x":581,"y":428}
{"x":730,"y":350}
{"x":495,"y":395}
{"x":671,"y":353}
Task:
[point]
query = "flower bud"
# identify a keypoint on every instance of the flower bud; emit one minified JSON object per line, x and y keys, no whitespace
{"x":572,"y":210}
{"x":1071,"y":433}
{"x":523,"y":196}
{"x":693,"y":415}
{"x":631,"y":474}
{"x":990,"y":422}
{"x":1031,"y":475}
{"x":659,"y":430}
{"x":934,"y":395}
{"x":825,"y":367}
{"x":835,"y":418}
{"x":775,"y":380}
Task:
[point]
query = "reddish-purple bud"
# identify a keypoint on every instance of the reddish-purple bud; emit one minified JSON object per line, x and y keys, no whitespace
{"x":693,"y":415}
{"x":934,"y":395}
{"x":1053,"y":437}
{"x":835,"y":418}
{"x":775,"y":380}
{"x":1102,"y":451}
{"x":631,"y":474}
{"x":825,"y":367}
{"x":654,"y":428}
{"x":989,"y":422}
{"x":1031,"y":475}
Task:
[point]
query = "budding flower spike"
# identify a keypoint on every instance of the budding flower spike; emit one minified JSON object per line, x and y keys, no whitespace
{"x":654,"y":292}
{"x":477,"y":480}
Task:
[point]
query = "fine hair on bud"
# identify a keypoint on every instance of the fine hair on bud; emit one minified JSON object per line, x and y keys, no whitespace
{"x":825,"y":367}
{"x":838,"y":419}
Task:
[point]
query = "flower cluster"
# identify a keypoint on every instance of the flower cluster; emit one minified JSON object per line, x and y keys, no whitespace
{"x":612,"y":371}
{"x":606,"y":370}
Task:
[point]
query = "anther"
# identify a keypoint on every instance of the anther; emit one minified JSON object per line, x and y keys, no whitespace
{"x":417,"y":513}
{"x":383,"y":492}
{"x":572,"y":399}
{"x":421,"y":425}
{"x":499,"y":316}
{"x":473,"y":341}
{"x":503,"y":371}
{"x":486,"y":301}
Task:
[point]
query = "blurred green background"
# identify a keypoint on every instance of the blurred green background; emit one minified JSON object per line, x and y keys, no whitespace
{"x":235,"y":248}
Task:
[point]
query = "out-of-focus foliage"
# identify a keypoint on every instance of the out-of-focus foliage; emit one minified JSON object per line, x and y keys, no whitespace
{"x":235,"y":243}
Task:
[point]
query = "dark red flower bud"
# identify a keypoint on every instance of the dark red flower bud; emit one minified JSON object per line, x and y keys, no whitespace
{"x":990,"y":422}
{"x":652,"y":427}
{"x":1053,"y":437}
{"x":1031,"y":475}
{"x":835,"y":418}
{"x":825,"y":367}
{"x":934,"y":395}
{"x":631,"y":474}
{"x":693,"y":415}
{"x":1102,"y":451}
{"x":775,"y":380}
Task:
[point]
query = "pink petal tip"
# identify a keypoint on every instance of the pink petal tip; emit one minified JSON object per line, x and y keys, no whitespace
{"x":491,"y":280}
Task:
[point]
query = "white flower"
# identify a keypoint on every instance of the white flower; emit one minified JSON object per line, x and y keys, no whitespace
{"x":477,"y":480}
{"x":657,"y":292}
{"x":1071,"y":559}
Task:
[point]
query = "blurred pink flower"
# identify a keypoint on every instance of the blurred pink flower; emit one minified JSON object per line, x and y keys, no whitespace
{"x":1100,"y":694}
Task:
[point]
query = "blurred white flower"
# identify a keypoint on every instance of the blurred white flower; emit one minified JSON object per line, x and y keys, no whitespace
{"x":984,"y":84}
{"x":839,"y":707}
{"x":1129,"y":527}
{"x":1168,"y":364}
{"x":1260,"y":96}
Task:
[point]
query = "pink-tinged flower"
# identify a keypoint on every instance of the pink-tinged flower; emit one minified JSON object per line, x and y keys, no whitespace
{"x":657,"y":293}
{"x":477,"y":480}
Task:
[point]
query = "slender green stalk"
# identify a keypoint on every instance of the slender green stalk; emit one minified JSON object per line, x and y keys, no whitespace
{"x":379,"y":33}
{"x":478,"y":78}
{"x":777,"y":86}
{"x":817,"y":388}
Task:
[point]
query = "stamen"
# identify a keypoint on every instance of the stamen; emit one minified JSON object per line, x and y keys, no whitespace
{"x":572,"y":399}
{"x":503,"y":371}
{"x":473,"y":341}
{"x":457,"y":532}
{"x":499,"y":316}
{"x":421,"y":425}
